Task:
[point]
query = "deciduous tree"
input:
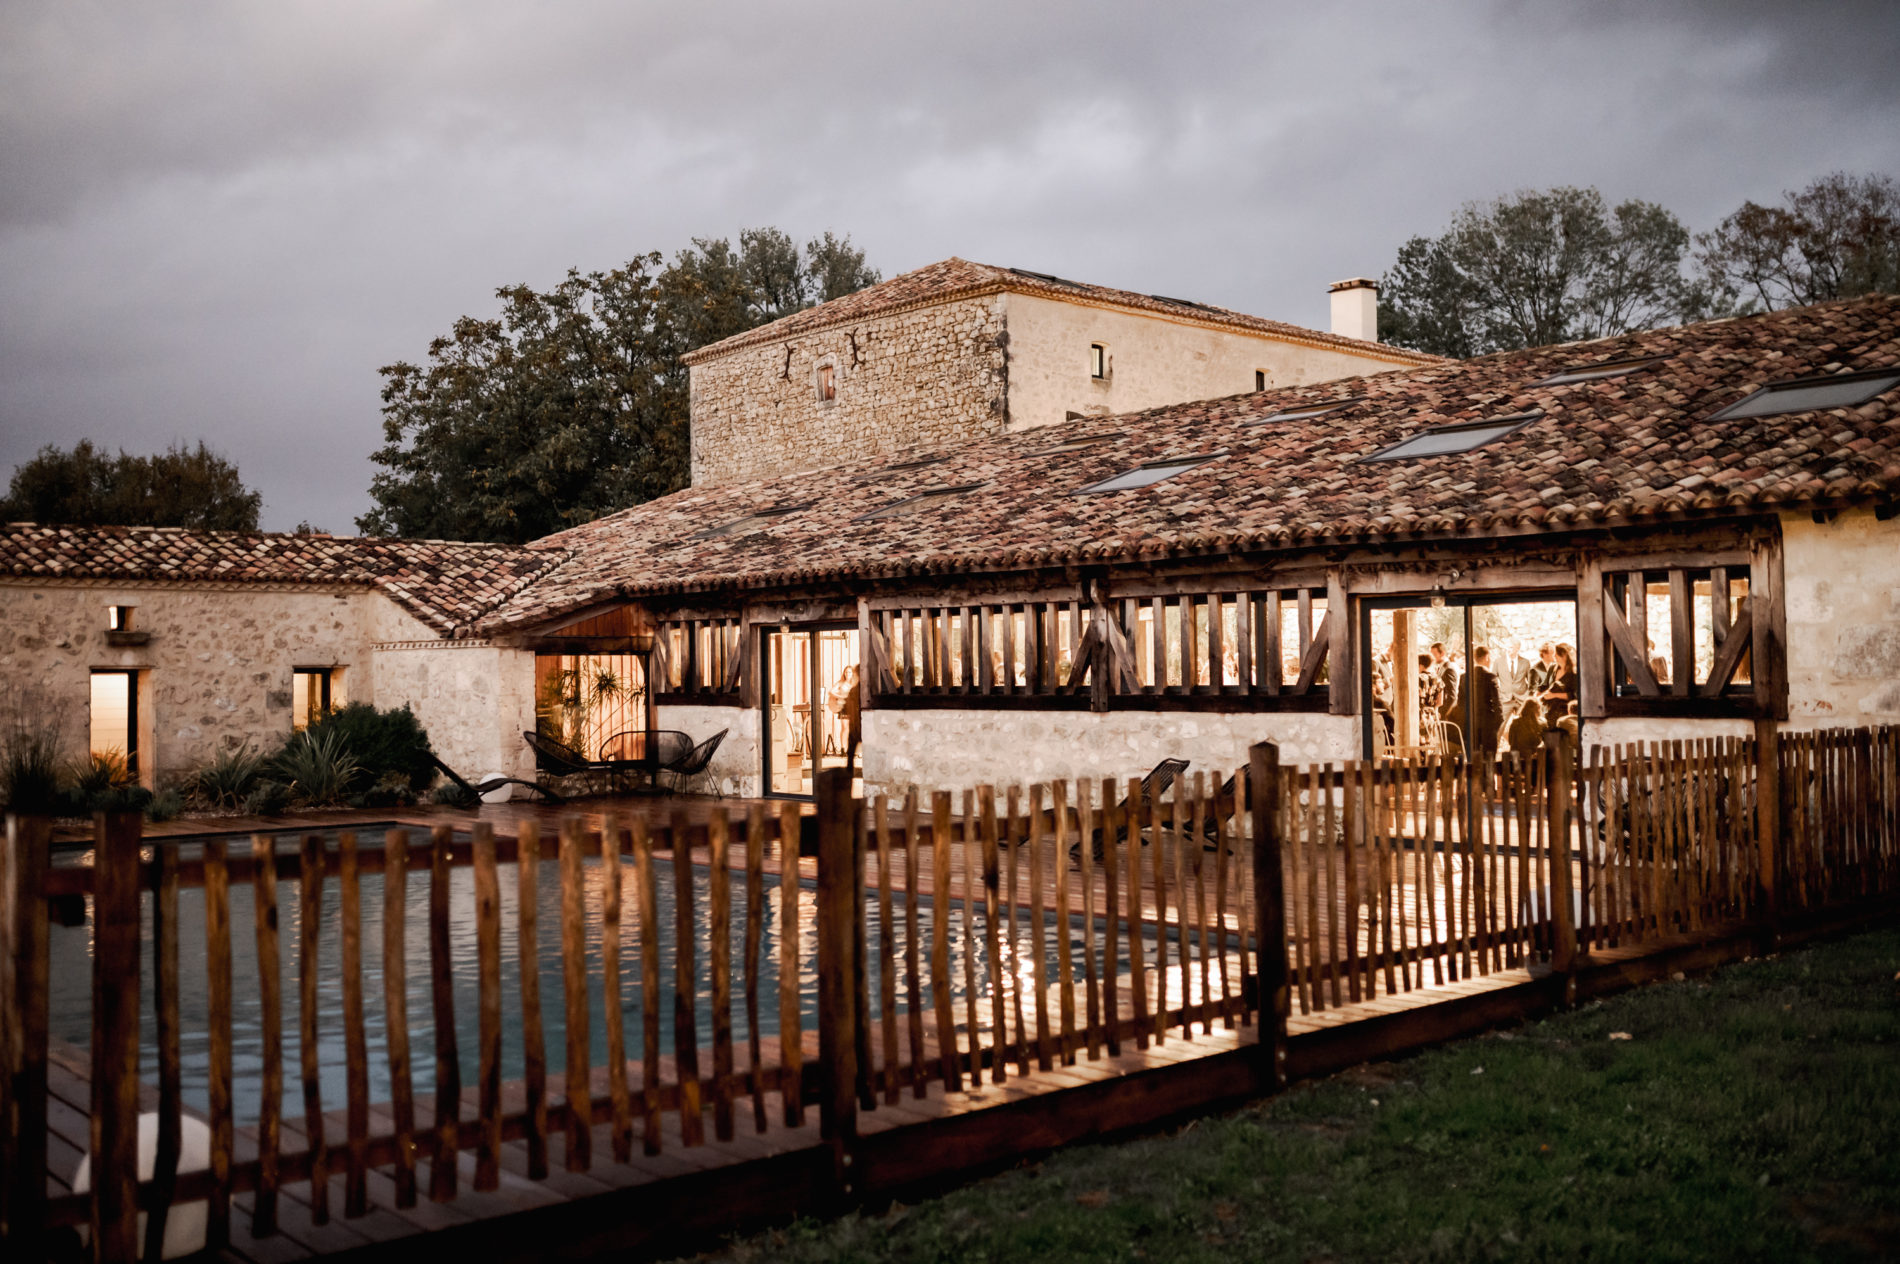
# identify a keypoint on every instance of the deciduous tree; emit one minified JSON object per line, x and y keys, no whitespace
{"x":572,"y":403}
{"x":1536,"y":268}
{"x":1836,"y":238}
{"x":179,"y":487}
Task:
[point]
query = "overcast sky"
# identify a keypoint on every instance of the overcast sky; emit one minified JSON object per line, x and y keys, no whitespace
{"x":218,"y":220}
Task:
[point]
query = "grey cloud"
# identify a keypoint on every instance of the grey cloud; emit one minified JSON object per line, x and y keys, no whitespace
{"x":218,"y":220}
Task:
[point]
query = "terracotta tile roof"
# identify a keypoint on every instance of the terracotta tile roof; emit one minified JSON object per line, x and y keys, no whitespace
{"x":959,"y":279}
{"x":1614,"y":450}
{"x":445,"y":584}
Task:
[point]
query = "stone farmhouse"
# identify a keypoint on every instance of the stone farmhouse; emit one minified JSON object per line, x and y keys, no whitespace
{"x":959,"y":351}
{"x":1014,"y":592}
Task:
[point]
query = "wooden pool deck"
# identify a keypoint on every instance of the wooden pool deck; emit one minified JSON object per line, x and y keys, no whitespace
{"x":690,"y":1194}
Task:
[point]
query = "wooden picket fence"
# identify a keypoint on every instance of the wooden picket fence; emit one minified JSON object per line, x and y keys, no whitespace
{"x":1064,"y":923}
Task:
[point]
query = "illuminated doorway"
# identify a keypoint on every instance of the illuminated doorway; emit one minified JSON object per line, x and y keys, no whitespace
{"x":811,"y":675}
{"x":113,"y":719}
{"x":1472,"y":676}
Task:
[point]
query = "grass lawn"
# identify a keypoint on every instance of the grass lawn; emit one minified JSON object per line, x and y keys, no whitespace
{"x":1754,"y":1114}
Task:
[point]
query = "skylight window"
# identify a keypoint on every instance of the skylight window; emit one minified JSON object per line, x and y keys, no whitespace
{"x":1180,"y":302}
{"x":1077,"y":444}
{"x":1049,"y":277}
{"x":916,"y":463}
{"x":1448,"y":440}
{"x":1596,"y":372}
{"x":1148,"y":475}
{"x":1304,"y":411}
{"x":1812,"y":394}
{"x":753,"y":521}
{"x":911,"y":504}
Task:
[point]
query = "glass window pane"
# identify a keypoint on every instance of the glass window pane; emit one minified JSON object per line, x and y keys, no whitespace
{"x":1800,"y":397}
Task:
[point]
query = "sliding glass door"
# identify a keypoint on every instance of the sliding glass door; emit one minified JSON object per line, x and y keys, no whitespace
{"x":808,"y":699}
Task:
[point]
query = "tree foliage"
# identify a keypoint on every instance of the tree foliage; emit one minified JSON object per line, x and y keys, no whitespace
{"x":572,"y":403}
{"x":1536,"y":268}
{"x":180,"y":487}
{"x":1836,"y":238}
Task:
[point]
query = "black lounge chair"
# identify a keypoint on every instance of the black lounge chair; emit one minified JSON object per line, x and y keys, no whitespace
{"x":1152,"y":787}
{"x":694,"y":762}
{"x":482,"y":787}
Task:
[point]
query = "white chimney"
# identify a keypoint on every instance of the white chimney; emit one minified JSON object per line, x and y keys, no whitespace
{"x":1356,"y":308}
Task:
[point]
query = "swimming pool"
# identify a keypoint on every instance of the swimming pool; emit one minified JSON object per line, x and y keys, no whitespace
{"x":71,"y":975}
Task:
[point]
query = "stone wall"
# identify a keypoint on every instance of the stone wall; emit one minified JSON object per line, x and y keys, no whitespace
{"x":1843,"y":594}
{"x":938,"y":749}
{"x":1152,"y":361}
{"x":217,"y":666}
{"x":928,"y":377}
{"x":475,"y":700}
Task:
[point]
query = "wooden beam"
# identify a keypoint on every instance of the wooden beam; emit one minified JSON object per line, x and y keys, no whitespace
{"x":1316,"y":650}
{"x":1593,"y":658}
{"x":1767,"y":665}
{"x":1681,"y":634}
{"x":1341,"y":673}
{"x":1634,"y":659}
{"x":1729,"y":656}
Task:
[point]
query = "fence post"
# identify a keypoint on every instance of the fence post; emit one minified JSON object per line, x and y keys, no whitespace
{"x":115,"y":1035}
{"x":23,"y":941}
{"x":1269,"y":901}
{"x":1768,"y":829}
{"x":1558,"y":788}
{"x":838,"y":880}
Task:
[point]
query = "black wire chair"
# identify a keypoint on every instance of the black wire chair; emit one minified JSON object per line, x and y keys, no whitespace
{"x":694,"y":762}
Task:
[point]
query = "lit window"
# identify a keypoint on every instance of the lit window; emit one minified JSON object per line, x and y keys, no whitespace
{"x":1303,"y":411}
{"x":911,"y":504}
{"x":119,"y":618}
{"x":1447,"y":440}
{"x":827,"y":384}
{"x":1596,"y":372}
{"x":1149,"y":474}
{"x":1260,"y":379}
{"x":1098,"y":360}
{"x":751,"y":522}
{"x":1812,"y":394}
{"x":310,"y":695}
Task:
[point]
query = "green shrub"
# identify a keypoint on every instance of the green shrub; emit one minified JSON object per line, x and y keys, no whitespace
{"x":228,"y":778}
{"x":31,"y":769}
{"x":318,"y":765}
{"x":451,"y":795}
{"x":95,"y":778}
{"x":267,"y":798}
{"x":382,"y":744}
{"x":165,"y":805}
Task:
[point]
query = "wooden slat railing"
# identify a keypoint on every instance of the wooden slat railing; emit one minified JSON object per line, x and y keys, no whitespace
{"x":1047,"y":925}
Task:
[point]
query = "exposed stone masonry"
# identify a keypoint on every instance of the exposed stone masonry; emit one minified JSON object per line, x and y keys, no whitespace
{"x":933,"y":375}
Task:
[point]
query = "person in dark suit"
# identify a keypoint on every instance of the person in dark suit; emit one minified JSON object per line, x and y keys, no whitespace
{"x":1487,"y":704}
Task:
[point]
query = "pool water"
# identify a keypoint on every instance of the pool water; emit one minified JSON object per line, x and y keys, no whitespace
{"x":71,"y":977}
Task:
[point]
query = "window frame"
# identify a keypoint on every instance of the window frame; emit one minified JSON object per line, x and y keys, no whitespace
{"x":1306,"y":412}
{"x":1577,"y":374}
{"x":326,"y":693}
{"x":1186,"y":464}
{"x":904,"y":506}
{"x":1729,"y":412}
{"x":1512,"y":423}
{"x":1098,"y":361}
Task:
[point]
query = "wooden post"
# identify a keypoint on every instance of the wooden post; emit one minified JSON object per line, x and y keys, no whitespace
{"x":23,"y":1038}
{"x":1263,"y":762}
{"x":1563,"y":923}
{"x":1768,"y":830}
{"x":115,"y":1035}
{"x":838,"y":879}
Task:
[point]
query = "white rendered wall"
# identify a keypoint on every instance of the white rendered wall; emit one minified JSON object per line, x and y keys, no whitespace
{"x":475,"y":700}
{"x":947,"y":749}
{"x":1152,"y":361}
{"x":1843,"y":595}
{"x":735,"y":765}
